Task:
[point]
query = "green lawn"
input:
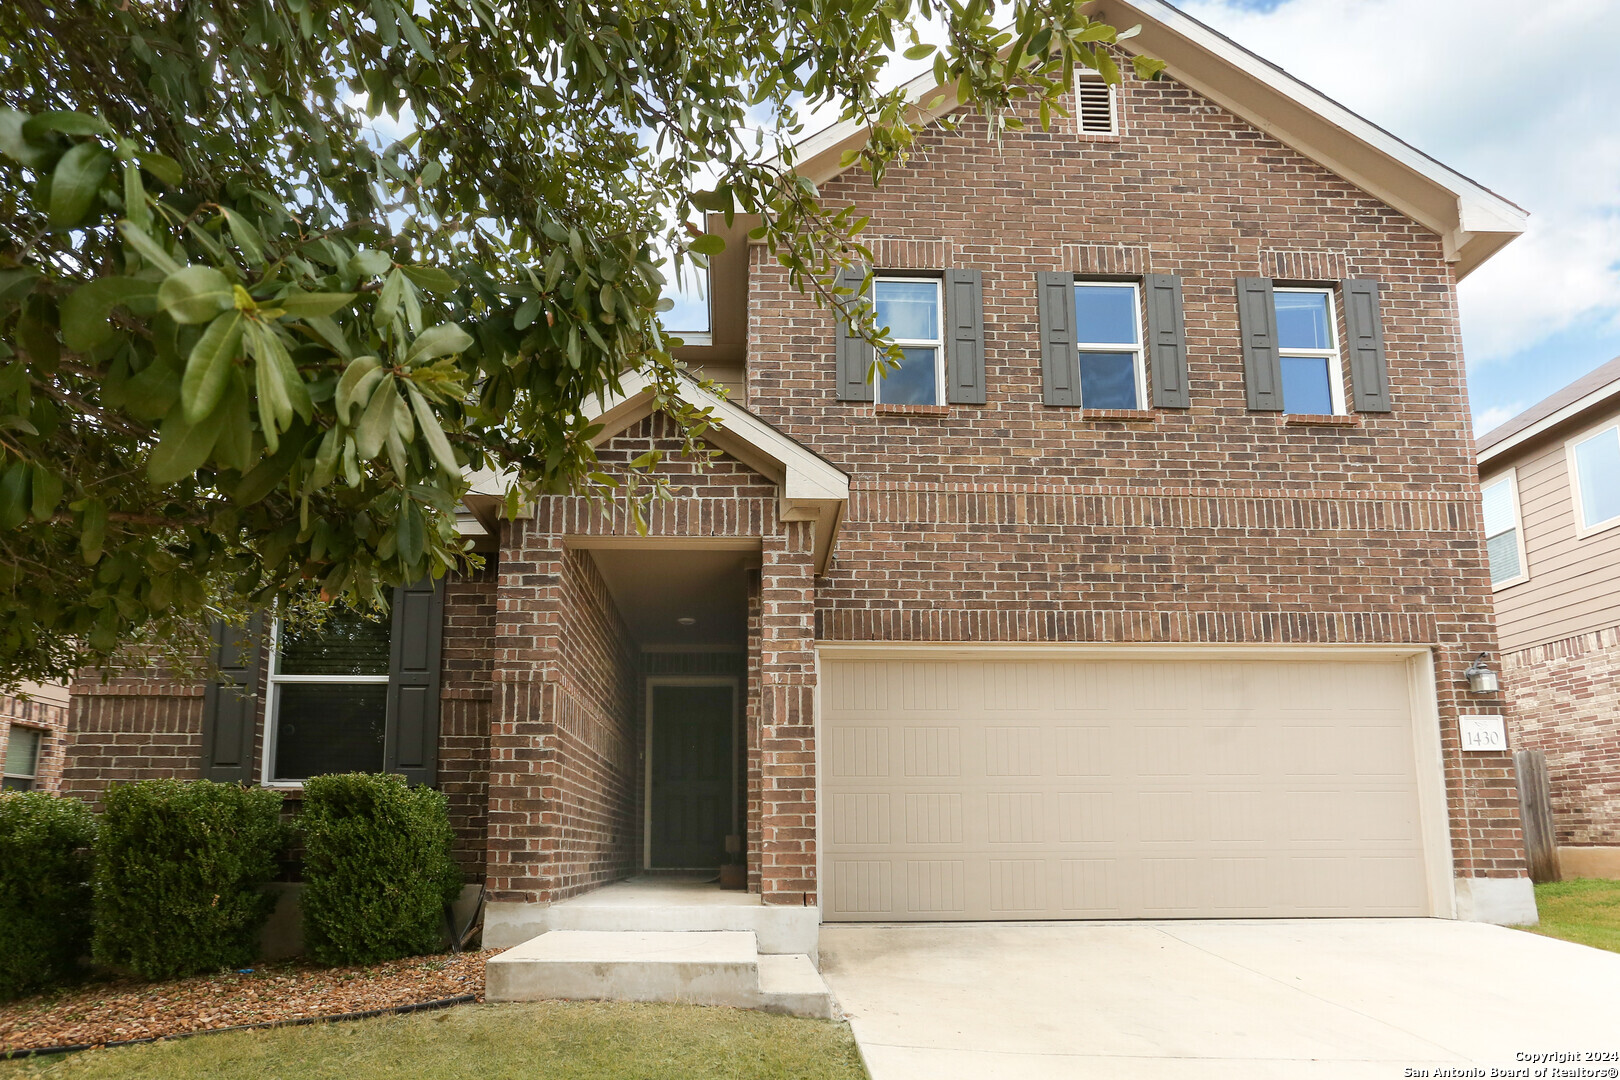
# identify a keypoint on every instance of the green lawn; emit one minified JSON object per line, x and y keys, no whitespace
{"x":553,"y":1040}
{"x":1585,"y":911}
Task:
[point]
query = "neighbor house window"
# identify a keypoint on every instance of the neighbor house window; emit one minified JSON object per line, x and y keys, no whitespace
{"x":327,"y":706}
{"x":22,"y":758}
{"x":1504,"y":537}
{"x":1308,"y":352}
{"x":912,"y":309}
{"x":1595,"y":463}
{"x":1108,"y":331}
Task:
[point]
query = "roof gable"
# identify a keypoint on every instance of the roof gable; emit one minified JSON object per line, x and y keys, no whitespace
{"x":1472,"y":221}
{"x":1589,"y":392}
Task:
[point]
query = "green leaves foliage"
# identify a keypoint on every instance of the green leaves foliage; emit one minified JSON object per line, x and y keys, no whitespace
{"x":248,"y":346}
{"x":45,"y":861}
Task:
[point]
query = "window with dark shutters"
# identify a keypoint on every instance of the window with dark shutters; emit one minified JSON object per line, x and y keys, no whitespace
{"x":1060,"y":369}
{"x":854,"y":356}
{"x":412,"y":740}
{"x":231,"y":702}
{"x":1257,"y":322}
{"x":1364,"y":325}
{"x":964,"y":340}
{"x":1167,"y":341}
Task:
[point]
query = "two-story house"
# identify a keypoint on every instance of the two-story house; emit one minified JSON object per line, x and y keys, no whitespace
{"x":1551,"y":483}
{"x":1144,"y":587}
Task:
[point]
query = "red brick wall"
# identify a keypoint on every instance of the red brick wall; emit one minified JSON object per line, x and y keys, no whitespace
{"x":143,"y":725}
{"x":47,"y":717}
{"x":1566,"y":699}
{"x":1014,"y":521}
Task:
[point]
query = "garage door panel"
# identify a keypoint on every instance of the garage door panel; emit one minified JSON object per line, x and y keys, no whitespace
{"x":1090,"y":789}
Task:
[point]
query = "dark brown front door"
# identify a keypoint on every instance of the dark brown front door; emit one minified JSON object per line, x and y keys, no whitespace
{"x":691,"y":775}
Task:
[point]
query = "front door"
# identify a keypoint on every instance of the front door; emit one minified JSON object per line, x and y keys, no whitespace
{"x":692,"y":778}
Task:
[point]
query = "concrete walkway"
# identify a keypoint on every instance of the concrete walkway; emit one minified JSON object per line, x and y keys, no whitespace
{"x":1250,"y":999}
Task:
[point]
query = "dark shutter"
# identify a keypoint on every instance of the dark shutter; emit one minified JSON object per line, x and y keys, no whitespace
{"x":411,"y":737}
{"x":231,"y":703}
{"x":1257,"y":321}
{"x":1060,"y":365}
{"x":854,"y":355}
{"x":1167,"y":342}
{"x":964,"y":337}
{"x":1369,"y":370}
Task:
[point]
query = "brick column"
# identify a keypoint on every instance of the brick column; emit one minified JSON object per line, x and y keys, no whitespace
{"x":787,"y":708}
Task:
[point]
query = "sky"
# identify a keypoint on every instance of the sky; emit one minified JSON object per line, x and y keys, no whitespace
{"x":1524,"y":99}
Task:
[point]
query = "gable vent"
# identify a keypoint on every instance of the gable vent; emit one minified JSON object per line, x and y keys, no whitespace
{"x":1097,"y":112}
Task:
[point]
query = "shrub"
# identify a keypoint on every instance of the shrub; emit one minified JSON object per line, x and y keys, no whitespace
{"x":377,"y":868}
{"x":44,"y":889}
{"x":179,"y":865}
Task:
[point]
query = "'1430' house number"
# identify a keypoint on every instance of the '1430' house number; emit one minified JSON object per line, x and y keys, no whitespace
{"x":1482,"y":733}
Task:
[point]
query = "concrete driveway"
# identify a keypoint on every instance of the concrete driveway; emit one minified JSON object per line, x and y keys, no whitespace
{"x":1288,"y":998}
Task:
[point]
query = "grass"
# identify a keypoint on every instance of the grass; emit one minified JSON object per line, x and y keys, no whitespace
{"x":556,"y":1040}
{"x":1585,"y":911}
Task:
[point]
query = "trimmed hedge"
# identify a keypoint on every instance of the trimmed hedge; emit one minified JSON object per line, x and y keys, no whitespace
{"x":179,"y":865}
{"x":45,"y":860}
{"x":377,"y":868}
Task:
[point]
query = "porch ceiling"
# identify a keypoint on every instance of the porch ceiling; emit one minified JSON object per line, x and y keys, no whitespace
{"x":654,"y":588}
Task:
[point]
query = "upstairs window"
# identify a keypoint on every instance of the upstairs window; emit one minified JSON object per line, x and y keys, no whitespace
{"x":1108,"y":333}
{"x":1504,"y":538}
{"x":327,"y":706}
{"x":1595,"y":466}
{"x":22,"y":758}
{"x":911,"y":309}
{"x":1098,"y":107}
{"x":1308,"y":352}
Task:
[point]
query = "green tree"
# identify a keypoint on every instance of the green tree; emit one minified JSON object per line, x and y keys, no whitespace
{"x":274,"y":273}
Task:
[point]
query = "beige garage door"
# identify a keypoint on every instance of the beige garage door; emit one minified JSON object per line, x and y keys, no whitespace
{"x":1034,"y":789}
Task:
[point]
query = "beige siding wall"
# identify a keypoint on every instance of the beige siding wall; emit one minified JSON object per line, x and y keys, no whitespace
{"x":1574,"y":584}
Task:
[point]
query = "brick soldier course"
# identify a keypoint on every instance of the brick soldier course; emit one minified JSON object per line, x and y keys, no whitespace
{"x":1010,"y":521}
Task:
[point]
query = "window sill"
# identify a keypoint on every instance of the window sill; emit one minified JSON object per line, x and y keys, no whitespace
{"x":1128,"y":416}
{"x":911,"y":410}
{"x":1320,"y":420}
{"x":1099,"y":136}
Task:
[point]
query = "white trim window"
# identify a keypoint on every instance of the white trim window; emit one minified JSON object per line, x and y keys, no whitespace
{"x":1594,"y":469}
{"x":913,"y":310}
{"x":1097,"y":106}
{"x":1108,"y":334}
{"x":1504,"y":531}
{"x":1308,"y":351}
{"x":22,"y":758}
{"x":326,"y":704}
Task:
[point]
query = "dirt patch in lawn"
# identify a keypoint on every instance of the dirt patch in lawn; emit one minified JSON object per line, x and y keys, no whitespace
{"x":115,"y":1011}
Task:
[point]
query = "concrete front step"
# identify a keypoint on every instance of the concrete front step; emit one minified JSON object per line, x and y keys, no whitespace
{"x":718,"y":967}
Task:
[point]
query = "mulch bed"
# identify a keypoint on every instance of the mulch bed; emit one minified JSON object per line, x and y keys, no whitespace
{"x":125,"y":1009}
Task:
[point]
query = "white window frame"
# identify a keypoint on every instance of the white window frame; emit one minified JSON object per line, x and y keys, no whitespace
{"x":1113,"y":105}
{"x":1137,"y":351}
{"x":272,"y":700}
{"x":937,"y":344}
{"x":1583,"y":530}
{"x":39,"y":747}
{"x":1511,"y":478}
{"x":1333,"y":356}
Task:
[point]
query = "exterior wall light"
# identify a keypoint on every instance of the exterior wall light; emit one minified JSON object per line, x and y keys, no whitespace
{"x":1481,"y":679}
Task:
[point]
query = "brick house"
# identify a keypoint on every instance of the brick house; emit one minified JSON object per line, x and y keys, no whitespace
{"x":1551,"y":483}
{"x":1143,"y":588}
{"x":33,"y":722}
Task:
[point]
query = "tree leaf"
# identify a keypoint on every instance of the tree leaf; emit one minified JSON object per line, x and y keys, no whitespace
{"x":182,"y":446}
{"x":431,"y":278}
{"x":93,"y":531}
{"x":234,"y":450}
{"x":14,"y":495}
{"x":707,"y":244}
{"x":432,"y":432}
{"x":246,"y":236}
{"x":917,"y":52}
{"x":368,"y":264}
{"x":195,"y":294}
{"x":165,"y":168}
{"x":83,"y":315}
{"x":446,"y":339}
{"x":147,"y":248}
{"x":312,"y":304}
{"x":75,"y":181}
{"x":355,"y":386}
{"x":17,"y":146}
{"x":410,"y":531}
{"x":209,"y":367}
{"x":47,"y":492}
{"x":68,"y":123}
{"x":377,"y":420}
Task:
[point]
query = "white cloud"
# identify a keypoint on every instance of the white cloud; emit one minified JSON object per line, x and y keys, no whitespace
{"x":1496,"y":416}
{"x":1521,"y":100}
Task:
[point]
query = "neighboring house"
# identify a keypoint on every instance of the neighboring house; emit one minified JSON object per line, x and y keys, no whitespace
{"x":1143,"y":588}
{"x":1551,"y":480}
{"x":32,"y":725}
